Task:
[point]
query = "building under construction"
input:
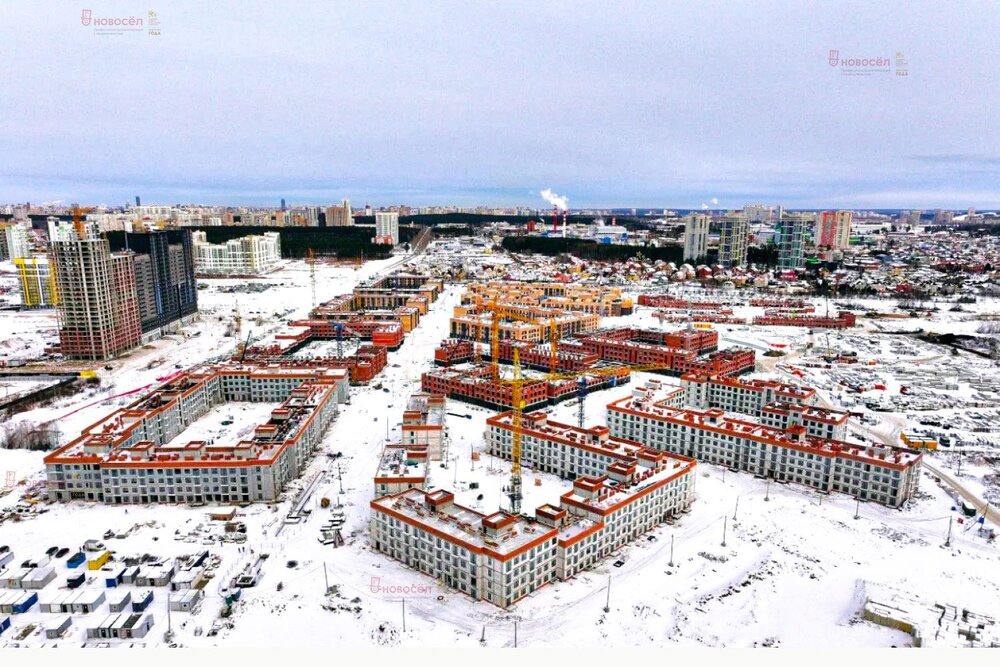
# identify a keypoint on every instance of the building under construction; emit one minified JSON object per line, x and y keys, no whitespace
{"x":542,"y":297}
{"x":479,"y":384}
{"x":37,"y":281}
{"x":98,"y":307}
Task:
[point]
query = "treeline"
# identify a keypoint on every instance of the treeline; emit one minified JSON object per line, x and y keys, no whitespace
{"x":586,"y":249}
{"x":342,"y":242}
{"x":480,"y":219}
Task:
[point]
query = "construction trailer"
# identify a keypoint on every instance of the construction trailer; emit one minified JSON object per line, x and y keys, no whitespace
{"x":58,"y":626}
{"x":154,"y":576}
{"x":187,"y":579}
{"x":11,"y":578}
{"x":99,"y":562}
{"x":87,"y":602}
{"x":76,"y":560}
{"x":119,"y":602}
{"x":187,"y":601}
{"x":130,"y":575}
{"x":6,"y":557}
{"x":113,"y":577}
{"x":17,"y":602}
{"x":4,"y":623}
{"x":38,"y":578}
{"x":58,"y":604}
{"x":121,"y":626}
{"x":142,"y":600}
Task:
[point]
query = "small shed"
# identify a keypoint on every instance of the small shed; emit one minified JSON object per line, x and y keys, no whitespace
{"x":142,"y":600}
{"x":120,"y":601}
{"x":88,"y":602}
{"x":113,"y":576}
{"x":38,"y":578}
{"x":25,"y":602}
{"x":55,"y":628}
{"x":187,"y":601}
{"x":136,"y":626}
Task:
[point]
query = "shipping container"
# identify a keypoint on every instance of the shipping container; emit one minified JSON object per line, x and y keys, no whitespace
{"x":88,"y":602}
{"x":57,"y":604}
{"x":76,"y":560}
{"x":5,"y":558}
{"x":130,"y":575}
{"x":4,"y":623}
{"x":75,"y":580}
{"x":113,"y":577}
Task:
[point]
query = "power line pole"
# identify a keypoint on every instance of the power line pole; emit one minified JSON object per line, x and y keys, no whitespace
{"x":515,"y":634}
{"x":737,"y":508}
{"x":767,"y":492}
{"x":857,"y":508}
{"x":725,"y":521}
{"x":947,"y":542}
{"x":671,"y":563}
{"x":404,"y":613}
{"x":607,"y":601}
{"x":326,"y":579}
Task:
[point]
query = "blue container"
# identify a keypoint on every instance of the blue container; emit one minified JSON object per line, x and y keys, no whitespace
{"x":25,"y":605}
{"x":76,"y":560}
{"x":142,"y":602}
{"x":4,"y":623}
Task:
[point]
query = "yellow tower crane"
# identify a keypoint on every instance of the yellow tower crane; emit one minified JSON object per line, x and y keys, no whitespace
{"x":515,"y":494}
{"x":311,"y":261}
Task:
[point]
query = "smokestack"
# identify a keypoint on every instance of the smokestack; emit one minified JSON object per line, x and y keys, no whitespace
{"x":555,"y":219}
{"x":564,"y":223}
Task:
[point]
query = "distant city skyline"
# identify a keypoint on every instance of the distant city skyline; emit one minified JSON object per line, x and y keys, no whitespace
{"x":454,"y":103}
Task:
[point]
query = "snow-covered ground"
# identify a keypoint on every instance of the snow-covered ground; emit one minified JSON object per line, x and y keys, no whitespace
{"x":794,"y":569}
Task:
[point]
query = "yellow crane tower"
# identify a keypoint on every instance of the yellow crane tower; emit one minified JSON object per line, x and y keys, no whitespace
{"x":515,"y":450}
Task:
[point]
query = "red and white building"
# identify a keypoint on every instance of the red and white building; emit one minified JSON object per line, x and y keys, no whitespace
{"x":886,"y":475}
{"x":135,"y":454}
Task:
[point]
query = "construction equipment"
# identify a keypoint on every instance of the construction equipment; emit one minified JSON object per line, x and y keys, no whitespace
{"x":515,"y":451}
{"x":311,"y":261}
{"x":78,"y":214}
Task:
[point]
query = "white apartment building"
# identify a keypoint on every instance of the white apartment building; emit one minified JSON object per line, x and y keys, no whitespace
{"x":776,"y":403}
{"x":423,"y":424}
{"x":501,"y":558}
{"x":16,"y":241}
{"x":248,"y":255}
{"x":695,"y":236}
{"x":387,"y":227}
{"x":886,"y":475}
{"x":131,"y":456}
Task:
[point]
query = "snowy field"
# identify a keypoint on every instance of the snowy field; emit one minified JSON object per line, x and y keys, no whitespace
{"x":794,"y":571}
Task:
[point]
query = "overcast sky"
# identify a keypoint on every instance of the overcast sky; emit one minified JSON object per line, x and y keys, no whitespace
{"x":608,"y":103}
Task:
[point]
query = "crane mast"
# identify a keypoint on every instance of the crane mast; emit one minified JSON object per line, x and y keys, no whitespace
{"x":515,"y":452}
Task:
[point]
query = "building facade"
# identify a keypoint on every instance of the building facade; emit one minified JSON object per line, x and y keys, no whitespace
{"x":734,"y":231}
{"x":98,"y":307}
{"x":387,"y":227}
{"x":886,"y":475}
{"x":248,"y":255}
{"x":695,"y":236}
{"x":37,"y":281}
{"x":166,"y":281}
{"x":131,"y":456}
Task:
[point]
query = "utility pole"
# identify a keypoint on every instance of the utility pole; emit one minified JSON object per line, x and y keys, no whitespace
{"x":404,"y":613}
{"x":767,"y":492}
{"x":340,"y":478}
{"x":515,"y":634}
{"x":326,"y":579}
{"x":456,"y":470}
{"x":725,"y":521}
{"x":671,"y":563}
{"x":737,"y":508}
{"x":857,"y":508}
{"x":607,"y":601}
{"x":947,"y":542}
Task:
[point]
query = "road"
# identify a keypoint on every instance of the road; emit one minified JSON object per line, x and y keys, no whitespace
{"x":991,"y":513}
